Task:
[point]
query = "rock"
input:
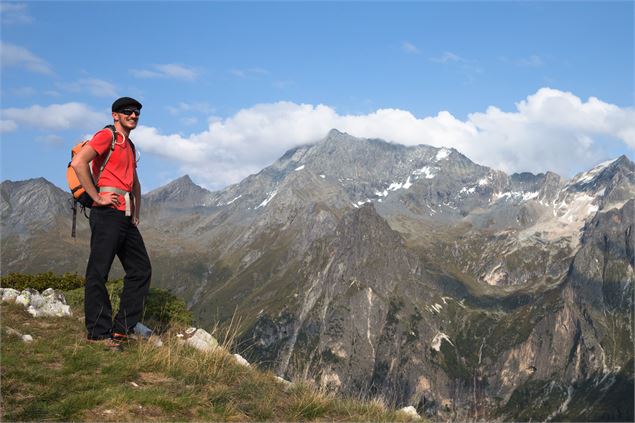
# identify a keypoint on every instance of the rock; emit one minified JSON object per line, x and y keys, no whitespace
{"x":56,"y":309}
{"x":25,"y":297}
{"x":201,"y":340}
{"x":34,"y":311}
{"x":52,"y":294}
{"x":27,"y":338}
{"x":142,"y":330}
{"x":48,"y":306}
{"x":241,"y":360}
{"x":283,"y":381}
{"x":37,"y":301}
{"x":9,"y":294}
{"x":410,"y":411}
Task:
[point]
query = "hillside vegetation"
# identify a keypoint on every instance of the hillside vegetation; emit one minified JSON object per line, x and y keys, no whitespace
{"x":60,"y":376}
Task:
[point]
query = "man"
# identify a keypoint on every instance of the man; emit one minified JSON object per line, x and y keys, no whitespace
{"x":113,"y":223}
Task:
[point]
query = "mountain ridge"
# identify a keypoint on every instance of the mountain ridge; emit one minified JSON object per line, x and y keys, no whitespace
{"x":310,"y":249}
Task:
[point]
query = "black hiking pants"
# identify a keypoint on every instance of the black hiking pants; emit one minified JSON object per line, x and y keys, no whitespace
{"x":113,"y":234}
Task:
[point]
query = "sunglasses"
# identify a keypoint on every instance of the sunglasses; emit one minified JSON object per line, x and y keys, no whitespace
{"x":128,"y":112}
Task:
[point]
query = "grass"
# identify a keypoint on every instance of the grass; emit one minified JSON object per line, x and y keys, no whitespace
{"x":62,"y":377}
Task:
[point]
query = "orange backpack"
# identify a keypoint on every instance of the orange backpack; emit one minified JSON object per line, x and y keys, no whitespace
{"x":77,"y":190}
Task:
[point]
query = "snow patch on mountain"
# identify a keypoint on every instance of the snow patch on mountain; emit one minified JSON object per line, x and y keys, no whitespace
{"x":426,"y":171}
{"x":268,"y":199}
{"x":394,"y":187}
{"x":438,"y":338}
{"x":588,"y":177}
{"x":221,"y":204}
{"x":443,"y":153}
{"x":516,"y":195}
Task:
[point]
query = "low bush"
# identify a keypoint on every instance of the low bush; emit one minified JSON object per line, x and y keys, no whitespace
{"x":162,"y":308}
{"x":42,"y":281}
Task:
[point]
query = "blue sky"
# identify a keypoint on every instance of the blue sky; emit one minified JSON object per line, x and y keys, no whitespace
{"x":228,"y":87}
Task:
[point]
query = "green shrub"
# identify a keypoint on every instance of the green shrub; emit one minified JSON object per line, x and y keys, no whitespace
{"x":162,"y":308}
{"x":42,"y":281}
{"x":165,"y":308}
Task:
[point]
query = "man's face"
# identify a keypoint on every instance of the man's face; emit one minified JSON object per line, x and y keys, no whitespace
{"x":127,"y":117}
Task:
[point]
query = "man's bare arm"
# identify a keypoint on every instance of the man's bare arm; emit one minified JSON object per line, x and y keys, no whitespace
{"x":80,"y":165}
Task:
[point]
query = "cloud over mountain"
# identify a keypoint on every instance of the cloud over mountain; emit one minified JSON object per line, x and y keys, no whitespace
{"x":549,"y":130}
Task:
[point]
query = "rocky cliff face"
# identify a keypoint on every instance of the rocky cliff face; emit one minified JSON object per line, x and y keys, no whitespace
{"x":409,"y":273}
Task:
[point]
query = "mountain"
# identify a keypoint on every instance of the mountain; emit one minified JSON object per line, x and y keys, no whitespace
{"x":409,"y":273}
{"x":181,"y":193}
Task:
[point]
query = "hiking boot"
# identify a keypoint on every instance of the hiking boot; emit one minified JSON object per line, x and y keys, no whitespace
{"x":108,"y":344}
{"x":121,"y":338}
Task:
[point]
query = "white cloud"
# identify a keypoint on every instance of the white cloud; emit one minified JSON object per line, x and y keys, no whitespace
{"x":549,"y":130}
{"x":447,"y":57}
{"x":96,"y":87}
{"x":409,"y":48}
{"x":14,"y":13}
{"x":169,"y":70}
{"x":55,"y":117}
{"x":532,"y":61}
{"x":249,"y":73}
{"x":16,"y":56}
{"x":7,"y":126}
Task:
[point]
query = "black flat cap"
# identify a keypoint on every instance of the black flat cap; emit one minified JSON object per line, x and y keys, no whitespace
{"x":123,"y":102}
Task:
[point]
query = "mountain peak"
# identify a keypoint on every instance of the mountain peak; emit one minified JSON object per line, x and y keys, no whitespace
{"x":181,"y":192}
{"x":185,"y":179}
{"x":624,"y":162}
{"x":335,"y":133}
{"x":603,"y":171}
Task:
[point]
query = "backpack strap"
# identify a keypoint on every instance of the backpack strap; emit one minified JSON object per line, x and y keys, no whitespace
{"x":134,"y":149}
{"x":74,"y":227}
{"x":112,"y":148}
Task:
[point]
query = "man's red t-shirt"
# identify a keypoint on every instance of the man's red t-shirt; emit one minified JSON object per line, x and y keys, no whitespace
{"x":119,"y":171}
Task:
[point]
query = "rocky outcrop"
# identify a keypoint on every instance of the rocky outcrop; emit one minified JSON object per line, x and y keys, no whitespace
{"x":50,"y":303}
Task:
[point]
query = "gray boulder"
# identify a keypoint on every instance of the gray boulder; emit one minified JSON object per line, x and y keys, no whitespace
{"x":9,"y":294}
{"x":200,"y":339}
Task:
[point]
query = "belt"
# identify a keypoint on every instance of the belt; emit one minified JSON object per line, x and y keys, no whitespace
{"x":126,"y":196}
